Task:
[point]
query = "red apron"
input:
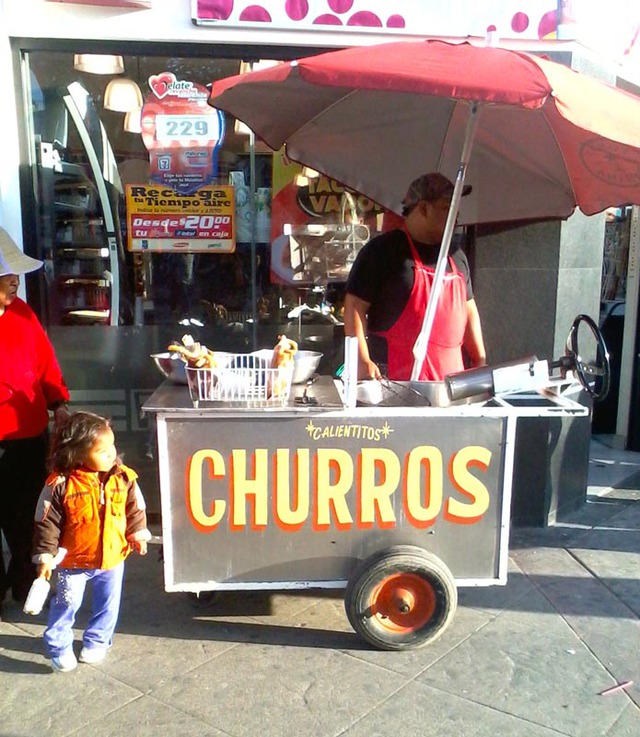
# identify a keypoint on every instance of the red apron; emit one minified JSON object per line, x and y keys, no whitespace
{"x":444,"y":354}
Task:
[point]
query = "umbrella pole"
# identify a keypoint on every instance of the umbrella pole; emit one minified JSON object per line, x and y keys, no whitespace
{"x":253,"y":211}
{"x":422,"y":341}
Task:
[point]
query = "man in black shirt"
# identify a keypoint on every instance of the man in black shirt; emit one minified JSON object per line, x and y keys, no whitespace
{"x":389,"y":287}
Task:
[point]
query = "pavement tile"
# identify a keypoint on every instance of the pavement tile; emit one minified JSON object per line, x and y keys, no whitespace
{"x":158,"y":637}
{"x":610,"y":466}
{"x":418,"y":710}
{"x":495,"y":599}
{"x":628,"y":724}
{"x":618,"y":532}
{"x":16,"y":639}
{"x":226,"y":618}
{"x":409,"y":663}
{"x":147,"y":717}
{"x":146,"y":662}
{"x":36,"y":701}
{"x":314,"y":605}
{"x":596,"y":512}
{"x":274,"y":691}
{"x":533,"y":667}
{"x":618,"y":571}
{"x":31,"y":625}
{"x":294,"y":634}
{"x":269,"y":607}
{"x":568,"y":584}
{"x":605,"y":623}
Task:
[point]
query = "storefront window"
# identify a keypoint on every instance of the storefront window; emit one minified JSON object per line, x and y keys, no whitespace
{"x":293,"y":245}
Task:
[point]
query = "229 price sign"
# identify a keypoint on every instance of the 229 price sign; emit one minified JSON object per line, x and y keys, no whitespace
{"x":185,"y":128}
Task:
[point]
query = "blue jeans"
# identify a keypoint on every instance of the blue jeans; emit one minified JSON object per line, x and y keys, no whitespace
{"x":107,"y":591}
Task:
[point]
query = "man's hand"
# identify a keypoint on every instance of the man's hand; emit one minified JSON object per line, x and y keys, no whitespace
{"x":368,"y":370}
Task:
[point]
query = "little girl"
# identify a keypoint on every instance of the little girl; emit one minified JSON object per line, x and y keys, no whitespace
{"x":92,"y":506}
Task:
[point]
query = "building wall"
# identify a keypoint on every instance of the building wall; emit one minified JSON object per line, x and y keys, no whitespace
{"x":530,"y":283}
{"x":10,"y":212}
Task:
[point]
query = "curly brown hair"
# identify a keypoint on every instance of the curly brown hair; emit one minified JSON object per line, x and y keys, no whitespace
{"x":74,"y":439}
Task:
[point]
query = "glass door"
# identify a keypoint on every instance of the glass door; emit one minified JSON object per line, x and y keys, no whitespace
{"x":78,"y":191}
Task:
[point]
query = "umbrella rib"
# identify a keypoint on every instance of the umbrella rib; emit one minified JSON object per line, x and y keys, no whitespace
{"x":324,"y":111}
{"x":551,"y":102}
{"x":283,"y":137}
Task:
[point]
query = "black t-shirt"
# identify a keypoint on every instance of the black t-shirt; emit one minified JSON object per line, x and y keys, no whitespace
{"x":383,"y":275}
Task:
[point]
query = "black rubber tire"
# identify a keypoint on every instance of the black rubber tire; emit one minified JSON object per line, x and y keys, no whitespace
{"x":386,"y":575}
{"x":204,"y":599}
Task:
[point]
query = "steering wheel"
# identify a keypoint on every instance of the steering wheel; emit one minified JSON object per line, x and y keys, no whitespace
{"x":595,"y":377}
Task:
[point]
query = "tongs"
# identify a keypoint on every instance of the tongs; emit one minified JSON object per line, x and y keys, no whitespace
{"x":389,"y":384}
{"x":305,"y":399}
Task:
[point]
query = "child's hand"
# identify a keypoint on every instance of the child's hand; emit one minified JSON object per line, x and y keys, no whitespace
{"x":140,"y":546}
{"x":44,"y":570}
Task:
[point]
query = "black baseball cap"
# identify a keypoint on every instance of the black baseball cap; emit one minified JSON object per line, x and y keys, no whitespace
{"x":430,"y":187}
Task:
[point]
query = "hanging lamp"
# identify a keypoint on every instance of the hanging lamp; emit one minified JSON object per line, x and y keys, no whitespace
{"x":132,"y":121}
{"x":122,"y":95}
{"x":241,"y":129}
{"x":98,"y":63}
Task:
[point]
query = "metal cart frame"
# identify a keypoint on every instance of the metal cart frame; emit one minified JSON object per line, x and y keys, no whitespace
{"x":398,"y":505}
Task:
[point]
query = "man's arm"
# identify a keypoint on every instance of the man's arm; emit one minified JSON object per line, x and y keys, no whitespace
{"x":355,"y":325}
{"x":473,"y":341}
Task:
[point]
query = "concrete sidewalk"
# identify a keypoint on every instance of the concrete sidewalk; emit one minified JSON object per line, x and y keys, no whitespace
{"x":529,"y":659}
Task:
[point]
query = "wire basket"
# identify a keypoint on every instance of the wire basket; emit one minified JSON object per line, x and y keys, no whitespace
{"x":246,"y":380}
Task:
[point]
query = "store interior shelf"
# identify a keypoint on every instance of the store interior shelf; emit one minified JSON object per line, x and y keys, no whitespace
{"x":84,"y":279}
{"x":88,"y":316}
{"x":83,"y":250}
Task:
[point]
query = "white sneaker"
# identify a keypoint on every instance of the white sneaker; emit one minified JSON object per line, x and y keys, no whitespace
{"x":93,"y":655}
{"x":65,"y":662}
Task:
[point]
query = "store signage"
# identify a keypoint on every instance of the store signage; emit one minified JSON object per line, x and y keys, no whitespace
{"x":322,"y":197}
{"x":385,"y":487}
{"x":110,"y":3}
{"x":314,"y":224}
{"x":160,"y":219}
{"x":181,"y":132}
{"x":297,"y":497}
{"x":521,"y":18}
{"x":611,"y":29}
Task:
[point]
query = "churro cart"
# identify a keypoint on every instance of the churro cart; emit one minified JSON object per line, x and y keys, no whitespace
{"x":400,"y":499}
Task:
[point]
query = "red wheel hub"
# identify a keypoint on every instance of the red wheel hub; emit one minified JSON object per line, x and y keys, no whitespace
{"x":404,"y":602}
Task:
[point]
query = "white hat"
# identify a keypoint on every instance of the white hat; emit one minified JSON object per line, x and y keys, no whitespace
{"x":12,"y":260}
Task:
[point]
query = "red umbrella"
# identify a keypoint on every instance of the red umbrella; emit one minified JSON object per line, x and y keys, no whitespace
{"x":548,"y":139}
{"x":535,"y":138}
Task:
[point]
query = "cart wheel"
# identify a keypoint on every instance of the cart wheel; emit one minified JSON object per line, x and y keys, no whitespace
{"x":401,"y":598}
{"x":204,"y":599}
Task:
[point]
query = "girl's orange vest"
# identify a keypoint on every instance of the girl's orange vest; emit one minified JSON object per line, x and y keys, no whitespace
{"x":95,"y":524}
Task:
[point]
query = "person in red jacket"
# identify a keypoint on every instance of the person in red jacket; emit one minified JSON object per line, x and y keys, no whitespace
{"x":31,"y":385}
{"x":92,"y":507}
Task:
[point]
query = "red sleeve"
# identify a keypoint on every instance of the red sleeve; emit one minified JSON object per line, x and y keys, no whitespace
{"x":51,"y":380}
